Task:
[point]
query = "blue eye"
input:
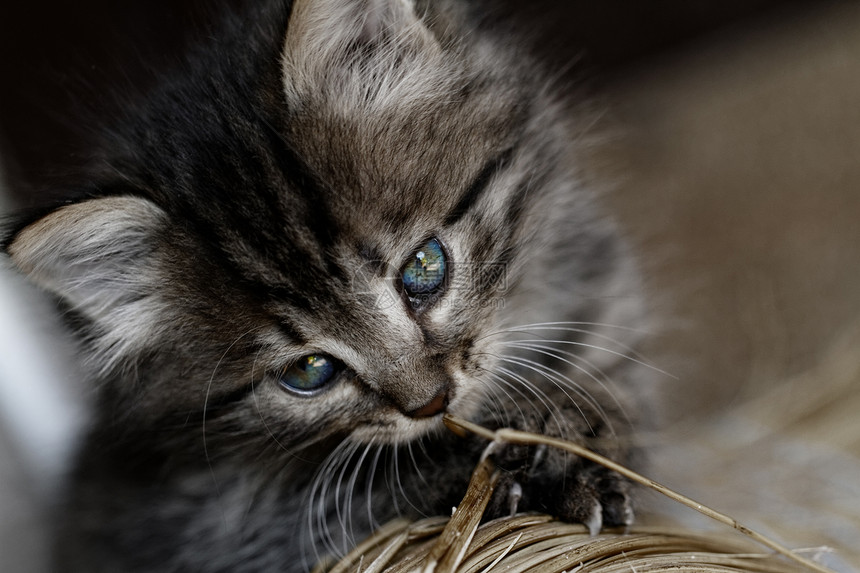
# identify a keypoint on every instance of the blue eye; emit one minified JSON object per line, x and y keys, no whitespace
{"x":309,"y":373}
{"x":424,"y":273}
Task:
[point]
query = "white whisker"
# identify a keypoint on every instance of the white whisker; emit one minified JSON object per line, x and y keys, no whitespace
{"x":572,"y":326}
{"x":497,"y":378}
{"x":318,"y":521}
{"x":559,"y":355}
{"x":580,"y":324}
{"x":542,"y":397}
{"x":342,"y":512}
{"x":350,"y":534}
{"x":497,"y":400}
{"x":601,"y":349}
{"x":400,"y":483}
{"x":418,"y":471}
{"x":369,"y":491}
{"x":424,"y":450}
{"x":259,"y":411}
{"x":553,"y":376}
{"x":203,"y":424}
{"x":389,"y":474}
{"x":498,"y":412}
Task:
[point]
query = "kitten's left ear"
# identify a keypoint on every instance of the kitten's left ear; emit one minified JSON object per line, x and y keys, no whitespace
{"x":98,"y":257}
{"x":92,"y":253}
{"x":326,"y":37}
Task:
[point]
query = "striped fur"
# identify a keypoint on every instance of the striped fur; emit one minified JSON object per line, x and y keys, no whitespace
{"x":255,"y":208}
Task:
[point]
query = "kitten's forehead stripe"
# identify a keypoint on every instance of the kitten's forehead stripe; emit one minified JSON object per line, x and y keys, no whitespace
{"x":518,"y":201}
{"x":478,"y":187}
{"x":291,"y":330}
{"x":316,"y":213}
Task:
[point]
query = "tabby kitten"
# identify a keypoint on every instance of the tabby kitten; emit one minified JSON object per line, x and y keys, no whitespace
{"x":336,"y":221}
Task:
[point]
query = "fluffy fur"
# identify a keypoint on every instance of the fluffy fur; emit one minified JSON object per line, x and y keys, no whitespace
{"x":256,"y":208}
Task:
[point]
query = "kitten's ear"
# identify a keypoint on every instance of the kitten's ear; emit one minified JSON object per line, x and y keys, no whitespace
{"x":96,"y":255}
{"x":326,"y":37}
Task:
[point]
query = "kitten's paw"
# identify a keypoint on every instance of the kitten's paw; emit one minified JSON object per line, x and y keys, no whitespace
{"x":561,"y":484}
{"x":596,"y":497}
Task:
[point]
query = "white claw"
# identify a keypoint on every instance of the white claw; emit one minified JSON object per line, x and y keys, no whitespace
{"x":490,"y":450}
{"x":515,"y":494}
{"x":594,"y":523}
{"x":628,"y":513}
{"x":540,"y":452}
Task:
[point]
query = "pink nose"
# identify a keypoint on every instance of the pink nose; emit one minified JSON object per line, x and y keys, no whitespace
{"x":431,"y":408}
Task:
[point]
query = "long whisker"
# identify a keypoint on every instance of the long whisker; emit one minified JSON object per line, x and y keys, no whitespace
{"x":203,"y":424}
{"x":542,"y":397}
{"x":340,"y":511}
{"x":424,"y":450}
{"x":317,"y":499}
{"x":516,"y":388}
{"x":563,"y":383}
{"x":602,"y":349}
{"x":579,"y":323}
{"x":533,"y":330}
{"x":372,"y":474}
{"x":505,"y":383}
{"x":400,"y":487}
{"x":559,"y":355}
{"x":259,"y":411}
{"x":415,"y":465}
{"x":308,"y":532}
{"x":351,"y":489}
{"x":629,"y":353}
{"x":549,"y":376}
{"x":498,"y":412}
{"x":501,"y":413}
{"x":316,"y":521}
{"x":389,"y":478}
{"x":575,"y":326}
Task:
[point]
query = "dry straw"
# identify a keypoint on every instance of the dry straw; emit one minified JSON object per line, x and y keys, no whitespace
{"x":539,"y":543}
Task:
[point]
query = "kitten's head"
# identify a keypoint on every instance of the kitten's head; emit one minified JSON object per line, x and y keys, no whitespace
{"x":324,"y":228}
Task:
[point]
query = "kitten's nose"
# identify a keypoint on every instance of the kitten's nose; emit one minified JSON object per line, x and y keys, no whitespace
{"x":431,"y":408}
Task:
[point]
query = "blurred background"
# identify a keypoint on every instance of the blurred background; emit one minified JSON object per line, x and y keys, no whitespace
{"x":731,"y":156}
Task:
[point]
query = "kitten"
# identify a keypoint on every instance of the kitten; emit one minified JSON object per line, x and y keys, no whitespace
{"x":338,"y":220}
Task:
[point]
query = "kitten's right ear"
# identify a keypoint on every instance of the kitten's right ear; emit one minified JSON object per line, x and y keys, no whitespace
{"x":96,"y":255}
{"x":321,"y":27}
{"x":341,"y":44}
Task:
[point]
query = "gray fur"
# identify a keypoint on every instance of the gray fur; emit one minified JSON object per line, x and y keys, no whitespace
{"x":246,"y":222}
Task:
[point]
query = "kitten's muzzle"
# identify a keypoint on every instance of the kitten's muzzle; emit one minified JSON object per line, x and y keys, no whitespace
{"x":417,"y":384}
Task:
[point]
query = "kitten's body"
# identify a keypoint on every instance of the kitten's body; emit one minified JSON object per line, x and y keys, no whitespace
{"x":257,"y":208}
